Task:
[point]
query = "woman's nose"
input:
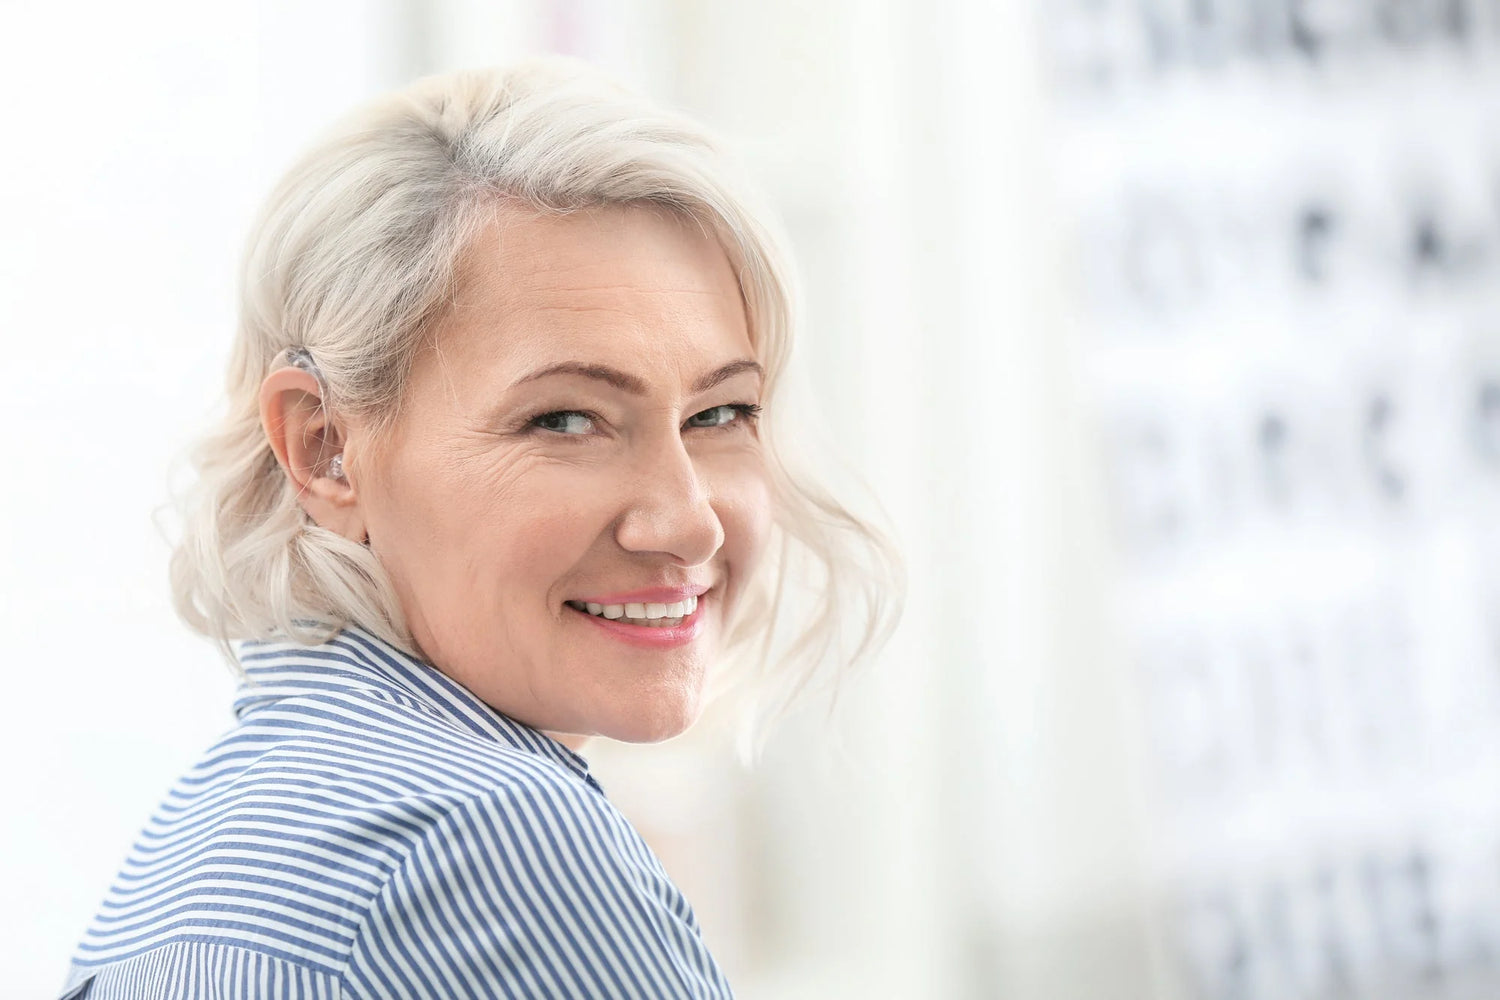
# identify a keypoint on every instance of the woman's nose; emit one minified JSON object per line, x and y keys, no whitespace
{"x":670,"y":508}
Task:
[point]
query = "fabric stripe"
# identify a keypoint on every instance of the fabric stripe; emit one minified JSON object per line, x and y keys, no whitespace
{"x":196,"y":970}
{"x":369,"y":829}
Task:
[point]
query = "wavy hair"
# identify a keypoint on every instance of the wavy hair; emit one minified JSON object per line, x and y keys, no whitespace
{"x":351,"y":260}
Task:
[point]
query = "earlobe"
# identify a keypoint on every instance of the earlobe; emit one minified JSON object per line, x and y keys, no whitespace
{"x":310,"y":448}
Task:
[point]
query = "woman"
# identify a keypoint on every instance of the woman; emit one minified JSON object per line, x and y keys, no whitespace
{"x":498,"y":475}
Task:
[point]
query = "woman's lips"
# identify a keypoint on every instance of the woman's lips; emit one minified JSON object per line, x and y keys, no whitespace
{"x":650,"y":636}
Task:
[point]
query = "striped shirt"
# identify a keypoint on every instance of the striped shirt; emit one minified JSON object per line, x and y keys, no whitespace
{"x":371,"y":829}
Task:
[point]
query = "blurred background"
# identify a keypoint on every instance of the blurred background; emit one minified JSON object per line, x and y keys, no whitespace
{"x":1166,"y":333}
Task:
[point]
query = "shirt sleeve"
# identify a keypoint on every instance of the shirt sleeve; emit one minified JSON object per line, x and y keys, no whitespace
{"x":536,"y":889}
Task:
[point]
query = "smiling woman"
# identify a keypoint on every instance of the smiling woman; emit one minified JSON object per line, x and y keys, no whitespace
{"x":499,"y":475}
{"x":569,"y":435}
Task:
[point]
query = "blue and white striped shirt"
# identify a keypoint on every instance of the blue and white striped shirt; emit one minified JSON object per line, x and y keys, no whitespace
{"x":370,"y":829}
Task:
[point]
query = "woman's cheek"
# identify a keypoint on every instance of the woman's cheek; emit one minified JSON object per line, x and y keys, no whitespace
{"x":745,"y":511}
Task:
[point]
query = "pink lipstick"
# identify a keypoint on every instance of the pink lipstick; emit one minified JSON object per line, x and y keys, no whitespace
{"x":648,"y":636}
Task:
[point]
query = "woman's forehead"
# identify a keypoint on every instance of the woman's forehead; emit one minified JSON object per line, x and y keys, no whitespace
{"x":623,"y":280}
{"x":521,"y":254}
{"x":630,"y":289}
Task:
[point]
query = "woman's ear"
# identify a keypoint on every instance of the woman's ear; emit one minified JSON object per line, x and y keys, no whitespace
{"x":305,"y":440}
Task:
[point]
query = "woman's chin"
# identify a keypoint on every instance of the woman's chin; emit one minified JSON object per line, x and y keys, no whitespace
{"x":661,"y":721}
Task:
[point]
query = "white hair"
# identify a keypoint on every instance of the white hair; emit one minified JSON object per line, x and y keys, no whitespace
{"x":354,"y":256}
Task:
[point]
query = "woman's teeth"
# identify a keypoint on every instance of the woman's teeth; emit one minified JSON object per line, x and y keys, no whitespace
{"x":648,"y":615}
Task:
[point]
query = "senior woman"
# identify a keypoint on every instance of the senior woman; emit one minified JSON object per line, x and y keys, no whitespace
{"x":498,"y":475}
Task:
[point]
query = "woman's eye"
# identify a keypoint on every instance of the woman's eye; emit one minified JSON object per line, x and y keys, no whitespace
{"x":564,"y":422}
{"x":718,"y":416}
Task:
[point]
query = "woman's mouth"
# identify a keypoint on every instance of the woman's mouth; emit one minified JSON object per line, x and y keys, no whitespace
{"x":647,"y":626}
{"x":641,"y":615}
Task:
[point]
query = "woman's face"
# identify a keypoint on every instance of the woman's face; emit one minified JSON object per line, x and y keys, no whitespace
{"x":579,"y":432}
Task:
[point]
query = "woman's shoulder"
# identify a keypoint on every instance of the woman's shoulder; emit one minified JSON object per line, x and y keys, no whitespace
{"x":540,"y":886}
{"x":333,"y":824}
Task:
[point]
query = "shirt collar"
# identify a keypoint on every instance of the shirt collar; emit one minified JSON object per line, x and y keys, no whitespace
{"x":355,"y":659}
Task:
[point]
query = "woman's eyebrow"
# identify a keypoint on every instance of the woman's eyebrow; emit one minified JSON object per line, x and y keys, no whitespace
{"x":626,"y":382}
{"x":726,"y":372}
